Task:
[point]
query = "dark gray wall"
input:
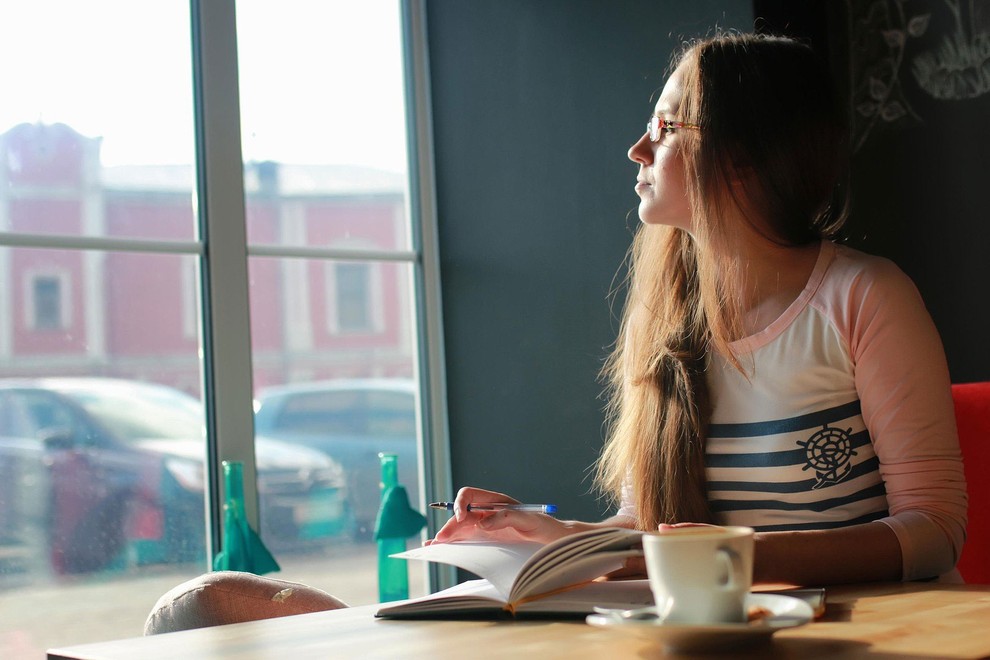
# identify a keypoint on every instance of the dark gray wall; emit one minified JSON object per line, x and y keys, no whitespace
{"x":919,"y":105}
{"x":535,"y":103}
{"x":921,"y":170}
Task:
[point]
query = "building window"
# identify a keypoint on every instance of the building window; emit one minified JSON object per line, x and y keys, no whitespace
{"x":47,"y":303}
{"x":354,"y":298}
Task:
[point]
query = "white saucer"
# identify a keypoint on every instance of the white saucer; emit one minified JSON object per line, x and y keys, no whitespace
{"x":785,"y":612}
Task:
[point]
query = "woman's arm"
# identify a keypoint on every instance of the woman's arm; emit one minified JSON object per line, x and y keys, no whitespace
{"x":903,"y":383}
{"x":510,"y":525}
{"x":868,"y":552}
{"x":860,"y":553}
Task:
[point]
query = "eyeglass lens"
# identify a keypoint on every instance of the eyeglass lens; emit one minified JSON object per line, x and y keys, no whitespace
{"x":653,"y":128}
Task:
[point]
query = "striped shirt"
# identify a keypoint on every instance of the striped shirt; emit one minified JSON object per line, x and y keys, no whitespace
{"x":843,"y":415}
{"x":814,"y":471}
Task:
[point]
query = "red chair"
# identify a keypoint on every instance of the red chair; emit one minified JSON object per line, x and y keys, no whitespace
{"x":972,"y":402}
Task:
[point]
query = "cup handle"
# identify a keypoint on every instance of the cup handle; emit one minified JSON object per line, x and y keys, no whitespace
{"x":733,"y":567}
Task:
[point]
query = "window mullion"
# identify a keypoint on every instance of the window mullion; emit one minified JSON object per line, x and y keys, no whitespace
{"x":220,"y":189}
{"x":422,"y":200}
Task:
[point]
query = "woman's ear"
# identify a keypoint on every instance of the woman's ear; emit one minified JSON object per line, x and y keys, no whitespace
{"x":745,"y":187}
{"x":745,"y":191}
{"x":741,"y":174}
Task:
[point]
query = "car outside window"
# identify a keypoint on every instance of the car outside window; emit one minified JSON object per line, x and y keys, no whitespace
{"x":134,"y":417}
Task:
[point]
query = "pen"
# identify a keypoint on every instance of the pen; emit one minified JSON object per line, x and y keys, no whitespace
{"x":499,"y":506}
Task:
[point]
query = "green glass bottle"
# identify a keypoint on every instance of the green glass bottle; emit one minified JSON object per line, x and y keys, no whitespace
{"x":243,"y":549}
{"x":393,"y":574}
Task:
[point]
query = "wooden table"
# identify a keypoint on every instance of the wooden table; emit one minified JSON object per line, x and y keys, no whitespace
{"x":865,"y":621}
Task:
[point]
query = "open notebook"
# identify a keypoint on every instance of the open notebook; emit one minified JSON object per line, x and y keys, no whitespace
{"x":530,"y":578}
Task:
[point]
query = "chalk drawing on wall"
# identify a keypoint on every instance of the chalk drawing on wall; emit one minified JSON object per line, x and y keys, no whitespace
{"x":881,"y":32}
{"x":960,"y":67}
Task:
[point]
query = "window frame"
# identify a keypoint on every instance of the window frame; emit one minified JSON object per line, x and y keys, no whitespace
{"x":435,"y":449}
{"x":222,"y":251}
{"x":220,"y":187}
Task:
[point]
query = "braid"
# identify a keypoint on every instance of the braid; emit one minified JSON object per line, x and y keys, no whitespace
{"x":660,"y":408}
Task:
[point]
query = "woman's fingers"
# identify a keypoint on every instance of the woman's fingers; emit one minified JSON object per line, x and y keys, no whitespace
{"x":466,"y":525}
{"x":469,"y":495}
{"x":523,"y":526}
{"x":504,"y":526}
{"x":662,"y":527}
{"x":452,"y":530}
{"x":523,"y":523}
{"x":634,"y":568}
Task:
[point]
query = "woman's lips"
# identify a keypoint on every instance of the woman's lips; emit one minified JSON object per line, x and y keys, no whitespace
{"x":641,"y":186}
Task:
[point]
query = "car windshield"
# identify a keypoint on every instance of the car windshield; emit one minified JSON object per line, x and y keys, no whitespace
{"x":139,"y":412}
{"x":348,"y":412}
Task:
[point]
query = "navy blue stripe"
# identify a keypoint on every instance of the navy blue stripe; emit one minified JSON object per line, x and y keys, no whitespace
{"x":858,"y":470}
{"x":787,"y":458}
{"x":722,"y":506}
{"x":777,"y":426}
{"x":793,"y":527}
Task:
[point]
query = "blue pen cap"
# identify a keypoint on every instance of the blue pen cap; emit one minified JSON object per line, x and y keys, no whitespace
{"x":550,"y":508}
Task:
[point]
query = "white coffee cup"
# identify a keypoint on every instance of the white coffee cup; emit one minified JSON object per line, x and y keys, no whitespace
{"x":700,"y":575}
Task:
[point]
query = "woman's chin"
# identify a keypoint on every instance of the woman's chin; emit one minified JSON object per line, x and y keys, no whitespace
{"x":656,"y":220}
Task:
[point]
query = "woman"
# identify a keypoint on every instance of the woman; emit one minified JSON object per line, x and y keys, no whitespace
{"x":765,"y":376}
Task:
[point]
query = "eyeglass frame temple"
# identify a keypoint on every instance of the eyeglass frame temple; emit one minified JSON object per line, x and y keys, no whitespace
{"x":667,"y":124}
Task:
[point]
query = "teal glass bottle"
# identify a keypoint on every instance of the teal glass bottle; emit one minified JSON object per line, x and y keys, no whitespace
{"x":393,"y":574}
{"x":243,"y":549}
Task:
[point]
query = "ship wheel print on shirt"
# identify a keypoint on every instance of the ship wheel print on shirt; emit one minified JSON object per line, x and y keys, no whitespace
{"x":829,"y":451}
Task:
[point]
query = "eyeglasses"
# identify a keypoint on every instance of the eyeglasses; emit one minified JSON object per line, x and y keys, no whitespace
{"x":656,"y":126}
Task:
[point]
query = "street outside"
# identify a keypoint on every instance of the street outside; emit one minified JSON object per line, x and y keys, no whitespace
{"x":34,"y":618}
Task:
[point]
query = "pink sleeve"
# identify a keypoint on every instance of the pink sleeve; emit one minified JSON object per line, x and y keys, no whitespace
{"x":904,"y":387}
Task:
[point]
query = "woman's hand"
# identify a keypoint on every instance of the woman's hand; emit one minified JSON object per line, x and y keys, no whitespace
{"x":635,"y":567}
{"x":662,"y":527}
{"x":499,"y":526}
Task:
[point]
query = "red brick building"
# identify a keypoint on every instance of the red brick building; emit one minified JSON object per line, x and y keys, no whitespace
{"x":135,"y":314}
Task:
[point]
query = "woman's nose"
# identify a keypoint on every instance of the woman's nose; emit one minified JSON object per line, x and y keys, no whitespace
{"x":642,"y":150}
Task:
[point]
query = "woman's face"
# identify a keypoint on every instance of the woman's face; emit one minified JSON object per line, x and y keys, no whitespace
{"x":663,"y":197}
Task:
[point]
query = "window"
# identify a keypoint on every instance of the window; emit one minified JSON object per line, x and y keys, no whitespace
{"x":130,"y":262}
{"x":97,"y":224}
{"x":352,"y":294}
{"x":45,"y":414}
{"x":354,"y":298}
{"x":349,"y":408}
{"x":332,"y":269}
{"x":47,"y":306}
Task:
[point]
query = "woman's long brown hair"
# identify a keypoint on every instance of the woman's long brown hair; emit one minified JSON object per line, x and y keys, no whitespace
{"x":768,"y":114}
